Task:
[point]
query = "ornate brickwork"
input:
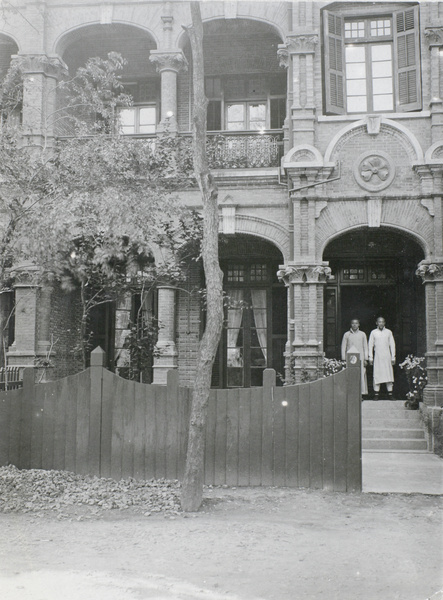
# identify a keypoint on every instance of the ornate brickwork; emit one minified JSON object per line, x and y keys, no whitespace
{"x":434,"y":35}
{"x":430,"y":272}
{"x":304,"y":274}
{"x":374,"y":171}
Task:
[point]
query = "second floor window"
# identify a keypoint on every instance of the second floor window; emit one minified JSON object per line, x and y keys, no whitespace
{"x":246,"y":102}
{"x":138,"y":119}
{"x":372,"y":62}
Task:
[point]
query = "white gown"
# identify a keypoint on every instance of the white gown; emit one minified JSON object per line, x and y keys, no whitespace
{"x":382,"y":351}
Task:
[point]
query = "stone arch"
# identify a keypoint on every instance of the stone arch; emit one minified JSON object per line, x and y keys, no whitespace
{"x":8,"y":47}
{"x":414,"y":236}
{"x":373,"y":125}
{"x":434,"y":154}
{"x":303,"y":155}
{"x":69,"y":36}
{"x":269,"y":231}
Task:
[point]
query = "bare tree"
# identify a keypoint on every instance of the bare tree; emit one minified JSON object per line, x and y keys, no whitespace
{"x":192,"y":488}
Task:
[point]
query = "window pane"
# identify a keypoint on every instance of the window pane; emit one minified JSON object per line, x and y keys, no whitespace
{"x":380,"y":27}
{"x":127,"y":120}
{"x":382,"y":85}
{"x":356,"y":87}
{"x":383,"y":102}
{"x":236,"y":116}
{"x":382,"y":69}
{"x":356,"y":71}
{"x":354,"y":29}
{"x":355,"y":54}
{"x":381,"y":52}
{"x":257,"y":116}
{"x":147,"y":119}
{"x":357,"y":104}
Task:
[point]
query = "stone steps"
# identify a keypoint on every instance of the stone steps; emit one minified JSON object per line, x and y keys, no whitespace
{"x":388,"y":427}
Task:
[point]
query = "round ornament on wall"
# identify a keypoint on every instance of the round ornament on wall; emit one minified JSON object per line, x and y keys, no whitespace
{"x":374,"y":171}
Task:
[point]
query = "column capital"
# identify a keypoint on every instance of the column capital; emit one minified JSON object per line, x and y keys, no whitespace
{"x":304,"y":274}
{"x":430,"y":272}
{"x":169,"y":60}
{"x":434,"y":35}
{"x":301,"y":43}
{"x":31,"y":64}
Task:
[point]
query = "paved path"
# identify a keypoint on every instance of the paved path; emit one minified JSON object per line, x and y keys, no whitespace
{"x":402,"y":472}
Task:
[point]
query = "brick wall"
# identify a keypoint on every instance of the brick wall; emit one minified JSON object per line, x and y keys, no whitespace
{"x":189,"y":323}
{"x":64,"y":329}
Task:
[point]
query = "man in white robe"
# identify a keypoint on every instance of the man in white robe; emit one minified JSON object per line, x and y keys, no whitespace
{"x":355,"y":337}
{"x":382,"y":355}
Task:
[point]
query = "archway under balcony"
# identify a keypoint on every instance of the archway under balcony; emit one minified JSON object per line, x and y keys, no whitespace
{"x":255,"y":331}
{"x":139,"y":75}
{"x":8,"y":47}
{"x":373,"y":274}
{"x":245,"y":85}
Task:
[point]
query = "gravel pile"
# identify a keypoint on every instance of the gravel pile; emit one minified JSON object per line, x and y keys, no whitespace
{"x":37,"y":491}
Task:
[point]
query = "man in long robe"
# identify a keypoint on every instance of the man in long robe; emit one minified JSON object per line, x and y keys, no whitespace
{"x":382,"y":355}
{"x":355,"y":337}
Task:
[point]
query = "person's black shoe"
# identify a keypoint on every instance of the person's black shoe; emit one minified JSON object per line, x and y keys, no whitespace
{"x":390,"y":396}
{"x":376,"y":396}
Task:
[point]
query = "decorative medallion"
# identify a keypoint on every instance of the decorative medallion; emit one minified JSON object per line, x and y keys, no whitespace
{"x":374,"y":171}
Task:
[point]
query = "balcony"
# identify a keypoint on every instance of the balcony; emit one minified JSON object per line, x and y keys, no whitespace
{"x":241,"y":150}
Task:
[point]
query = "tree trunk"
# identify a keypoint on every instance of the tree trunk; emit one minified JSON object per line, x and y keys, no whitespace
{"x":192,"y":488}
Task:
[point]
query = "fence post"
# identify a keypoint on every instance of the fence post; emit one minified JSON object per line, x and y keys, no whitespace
{"x":97,"y":362}
{"x":353,"y":401}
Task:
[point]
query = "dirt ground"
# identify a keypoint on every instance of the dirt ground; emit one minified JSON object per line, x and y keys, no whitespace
{"x":246,"y":544}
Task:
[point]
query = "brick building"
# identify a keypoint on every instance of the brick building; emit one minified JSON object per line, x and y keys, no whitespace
{"x":330,"y":171}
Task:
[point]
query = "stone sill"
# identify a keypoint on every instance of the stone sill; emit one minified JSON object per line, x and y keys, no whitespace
{"x":389,"y":115}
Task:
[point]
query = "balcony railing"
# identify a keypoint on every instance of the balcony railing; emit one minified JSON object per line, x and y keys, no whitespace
{"x":250,"y":149}
{"x":231,"y":150}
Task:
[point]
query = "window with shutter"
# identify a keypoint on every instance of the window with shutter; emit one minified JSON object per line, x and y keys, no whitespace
{"x":372,"y":62}
{"x":334,"y":76}
{"x":406,"y":43}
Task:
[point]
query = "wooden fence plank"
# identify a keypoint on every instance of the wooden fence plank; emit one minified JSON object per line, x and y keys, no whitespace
{"x":304,"y":457}
{"x":244,"y":435}
{"x":70,"y":387}
{"x":5,"y":407}
{"x":26,"y":406}
{"x":139,"y":430}
{"x":184,"y":415}
{"x":36,"y":426}
{"x":172,"y":420}
{"x":95,"y":410}
{"x":160,"y":431}
{"x":255,"y":440}
{"x":118,"y":430}
{"x":211,"y":419}
{"x":353,"y":399}
{"x":340,"y":432}
{"x":82,"y":433}
{"x":47,"y":393}
{"x":14,"y":433}
{"x":327,"y":394}
{"x":279,"y":450}
{"x":267,"y":433}
{"x":232,"y":433}
{"x":127,"y":399}
{"x":60,"y":399}
{"x":220,"y":437}
{"x":150,"y":434}
{"x":107,"y":408}
{"x":315,"y":435}
{"x":291,"y":395}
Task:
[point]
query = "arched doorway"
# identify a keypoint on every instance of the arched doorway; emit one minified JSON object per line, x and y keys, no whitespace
{"x":373,"y":274}
{"x":255,"y":330}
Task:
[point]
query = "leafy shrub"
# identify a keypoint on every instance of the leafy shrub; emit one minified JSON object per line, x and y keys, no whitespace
{"x":417,"y":377}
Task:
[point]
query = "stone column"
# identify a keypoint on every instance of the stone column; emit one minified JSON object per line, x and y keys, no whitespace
{"x":169,"y":63}
{"x":304,"y":350}
{"x":41,"y":74}
{"x":432,"y":276}
{"x":167,"y":351}
{"x":434,"y":36}
{"x":23,"y":351}
{"x":299,"y":51}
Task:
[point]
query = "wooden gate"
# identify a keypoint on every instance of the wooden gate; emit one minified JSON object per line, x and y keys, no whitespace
{"x":96,"y":423}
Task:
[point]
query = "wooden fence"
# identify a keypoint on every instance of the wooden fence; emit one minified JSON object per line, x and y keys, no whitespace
{"x":96,"y":423}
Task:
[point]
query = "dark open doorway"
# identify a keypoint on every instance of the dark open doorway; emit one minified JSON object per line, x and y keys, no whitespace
{"x":374,"y":275}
